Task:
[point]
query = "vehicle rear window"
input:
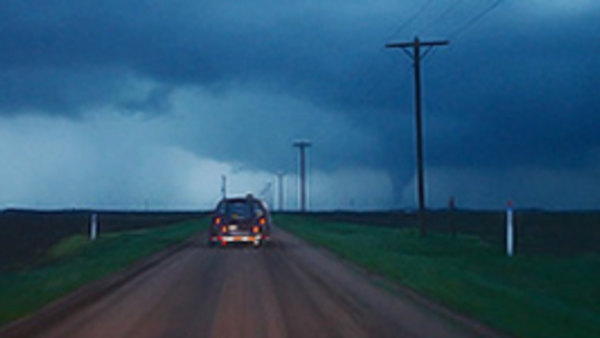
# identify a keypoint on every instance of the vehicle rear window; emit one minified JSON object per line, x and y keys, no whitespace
{"x":257,"y":209}
{"x":238,"y":210}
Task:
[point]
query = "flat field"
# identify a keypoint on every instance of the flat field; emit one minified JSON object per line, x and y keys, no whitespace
{"x":529,"y":295}
{"x":26,"y":235}
{"x":557,"y":232}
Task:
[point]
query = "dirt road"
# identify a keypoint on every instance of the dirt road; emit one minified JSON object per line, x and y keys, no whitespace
{"x":289,"y":289}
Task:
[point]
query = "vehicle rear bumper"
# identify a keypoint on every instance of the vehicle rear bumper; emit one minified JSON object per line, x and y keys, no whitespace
{"x":238,"y":238}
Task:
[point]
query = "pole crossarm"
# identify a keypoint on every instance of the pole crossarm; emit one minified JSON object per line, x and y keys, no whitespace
{"x":415,"y":45}
{"x":412,"y":44}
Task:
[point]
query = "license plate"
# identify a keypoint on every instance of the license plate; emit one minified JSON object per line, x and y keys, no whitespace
{"x":233,"y":228}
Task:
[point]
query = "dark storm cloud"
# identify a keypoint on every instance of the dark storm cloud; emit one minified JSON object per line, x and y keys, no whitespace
{"x":305,"y":48}
{"x":528,"y":97}
{"x":322,"y":51}
{"x":307,"y":51}
{"x":61,"y":57}
{"x":517,"y":89}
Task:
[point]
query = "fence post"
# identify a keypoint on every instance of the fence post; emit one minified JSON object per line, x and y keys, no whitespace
{"x":452,"y":215}
{"x":93,"y":226}
{"x":509,"y":229}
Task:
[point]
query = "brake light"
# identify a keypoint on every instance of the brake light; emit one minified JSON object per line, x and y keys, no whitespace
{"x":218,"y":220}
{"x":256,"y":229}
{"x":262,"y":221}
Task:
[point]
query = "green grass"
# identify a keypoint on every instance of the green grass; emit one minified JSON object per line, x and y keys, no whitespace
{"x":67,"y":246}
{"x":527,"y":295}
{"x":75,"y":261}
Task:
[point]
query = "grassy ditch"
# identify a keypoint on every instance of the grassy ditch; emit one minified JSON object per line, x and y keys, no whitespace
{"x":26,"y":235}
{"x":75,"y":261}
{"x":527,"y":295}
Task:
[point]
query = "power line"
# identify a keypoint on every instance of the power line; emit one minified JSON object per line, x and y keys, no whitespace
{"x":440,"y":17}
{"x":411,"y":19}
{"x":366,"y":70}
{"x":368,"y":82}
{"x":461,"y":29}
{"x":368,"y":67}
{"x":475,"y":19}
{"x":364,"y":84}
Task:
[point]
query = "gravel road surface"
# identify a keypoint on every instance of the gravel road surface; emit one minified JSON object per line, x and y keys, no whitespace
{"x":288,"y":289}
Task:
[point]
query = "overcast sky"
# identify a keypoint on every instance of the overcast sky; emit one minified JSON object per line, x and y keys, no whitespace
{"x":127,"y":104}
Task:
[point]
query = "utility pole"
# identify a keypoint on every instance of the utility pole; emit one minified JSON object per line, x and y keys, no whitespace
{"x":266,"y":191}
{"x":417,"y":56}
{"x":224,"y":186}
{"x":280,"y":176}
{"x":302,"y":145}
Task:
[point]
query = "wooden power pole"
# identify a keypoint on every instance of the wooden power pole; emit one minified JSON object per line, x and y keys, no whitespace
{"x":416,"y":55}
{"x":280,"y":175}
{"x":302,"y":145}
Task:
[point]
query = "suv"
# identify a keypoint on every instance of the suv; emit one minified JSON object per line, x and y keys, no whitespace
{"x":240,"y":220}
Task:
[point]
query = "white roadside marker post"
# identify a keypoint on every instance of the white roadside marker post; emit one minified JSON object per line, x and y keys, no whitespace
{"x":93,"y":226}
{"x":509,"y":229}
